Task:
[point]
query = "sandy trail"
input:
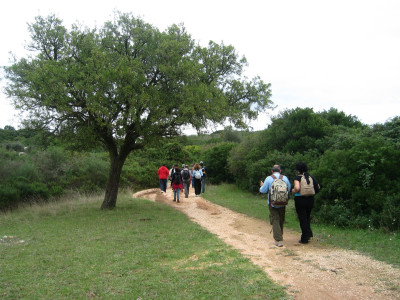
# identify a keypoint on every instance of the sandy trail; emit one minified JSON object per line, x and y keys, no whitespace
{"x":309,"y":271}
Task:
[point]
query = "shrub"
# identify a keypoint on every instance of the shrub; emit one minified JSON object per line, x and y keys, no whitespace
{"x":216,"y":161}
{"x":390,"y":216}
{"x":87,"y":172}
{"x":9,"y":196}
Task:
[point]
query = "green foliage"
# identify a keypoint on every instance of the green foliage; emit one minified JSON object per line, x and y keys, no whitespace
{"x":339,"y":118}
{"x":126,"y":84}
{"x":296,"y":130}
{"x":251,"y":149}
{"x":9,"y":195}
{"x":390,"y":129}
{"x":357,"y":166}
{"x":229,"y":135}
{"x":8,"y":134}
{"x":87,"y":172}
{"x":358,"y":180}
{"x":44,"y":174}
{"x":216,"y":161}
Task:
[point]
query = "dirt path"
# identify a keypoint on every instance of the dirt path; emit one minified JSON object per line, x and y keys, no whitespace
{"x":308,"y":271}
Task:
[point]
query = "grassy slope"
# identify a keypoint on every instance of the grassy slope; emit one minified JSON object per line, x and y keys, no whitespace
{"x":381,"y":246}
{"x":138,"y":250}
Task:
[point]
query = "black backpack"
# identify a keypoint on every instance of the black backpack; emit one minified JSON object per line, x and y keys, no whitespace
{"x":177,"y":178}
{"x":204,"y":170}
{"x":185,"y":175}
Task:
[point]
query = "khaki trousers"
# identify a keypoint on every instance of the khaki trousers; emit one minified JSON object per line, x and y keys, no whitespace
{"x":277,"y":218}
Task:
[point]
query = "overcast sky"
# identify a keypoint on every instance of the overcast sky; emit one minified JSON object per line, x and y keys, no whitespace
{"x":315,"y":53}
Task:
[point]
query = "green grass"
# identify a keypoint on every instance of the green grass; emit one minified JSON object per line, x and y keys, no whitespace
{"x":376,"y":244}
{"x":140,"y":250}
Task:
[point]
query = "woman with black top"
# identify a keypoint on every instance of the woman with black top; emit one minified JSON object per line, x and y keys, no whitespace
{"x":305,"y":186}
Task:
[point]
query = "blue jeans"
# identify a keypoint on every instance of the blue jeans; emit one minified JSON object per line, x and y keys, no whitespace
{"x":176,"y":194}
{"x":203,"y":184}
{"x":163,"y":185}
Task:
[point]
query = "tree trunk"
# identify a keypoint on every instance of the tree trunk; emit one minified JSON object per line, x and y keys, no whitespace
{"x":110,"y":198}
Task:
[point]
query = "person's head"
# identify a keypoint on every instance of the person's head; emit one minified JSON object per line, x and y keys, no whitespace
{"x":276,"y":168}
{"x":176,"y":168}
{"x":301,"y":167}
{"x":196,"y":166}
{"x":201,"y":163}
{"x":186,"y":166}
{"x":183,"y":166}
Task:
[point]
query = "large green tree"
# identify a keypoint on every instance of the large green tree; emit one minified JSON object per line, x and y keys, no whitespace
{"x":126,"y":84}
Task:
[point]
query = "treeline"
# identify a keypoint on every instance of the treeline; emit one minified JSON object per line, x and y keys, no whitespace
{"x":34,"y":165}
{"x":356,"y":164}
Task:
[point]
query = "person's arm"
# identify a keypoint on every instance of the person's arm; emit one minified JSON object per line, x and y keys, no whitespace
{"x":264,"y":186}
{"x":296,"y":188}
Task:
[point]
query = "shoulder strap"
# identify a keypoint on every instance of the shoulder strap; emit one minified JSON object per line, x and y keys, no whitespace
{"x":281,"y":176}
{"x":273,"y":176}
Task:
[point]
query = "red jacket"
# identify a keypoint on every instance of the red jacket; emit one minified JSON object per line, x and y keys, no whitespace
{"x":163,"y":172}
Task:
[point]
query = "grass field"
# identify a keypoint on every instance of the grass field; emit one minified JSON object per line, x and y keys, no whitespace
{"x":376,"y":244}
{"x":140,"y":250}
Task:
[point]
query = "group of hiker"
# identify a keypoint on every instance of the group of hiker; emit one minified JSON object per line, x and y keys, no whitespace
{"x":278,"y":188}
{"x":182,"y":178}
{"x":276,"y":185}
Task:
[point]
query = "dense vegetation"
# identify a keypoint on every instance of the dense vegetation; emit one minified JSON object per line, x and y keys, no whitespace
{"x":356,"y":164}
{"x":125,"y":84}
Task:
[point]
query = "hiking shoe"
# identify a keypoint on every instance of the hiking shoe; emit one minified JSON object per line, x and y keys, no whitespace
{"x":303,"y":242}
{"x":278,"y":244}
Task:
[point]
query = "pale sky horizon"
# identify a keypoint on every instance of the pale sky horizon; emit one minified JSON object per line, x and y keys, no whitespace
{"x":320,"y":54}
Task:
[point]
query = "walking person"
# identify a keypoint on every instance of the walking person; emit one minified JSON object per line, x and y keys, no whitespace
{"x":277,"y":186}
{"x":197,"y":175}
{"x":176,"y":183}
{"x":203,"y":178}
{"x":171,"y":172}
{"x":163,"y":174}
{"x":191,"y":173}
{"x":305,"y":187}
{"x":187,"y":179}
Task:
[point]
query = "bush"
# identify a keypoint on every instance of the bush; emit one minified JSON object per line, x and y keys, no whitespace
{"x":390,"y":216}
{"x":9,"y":196}
{"x":363,"y":177}
{"x":216,"y":161}
{"x":86,"y":172}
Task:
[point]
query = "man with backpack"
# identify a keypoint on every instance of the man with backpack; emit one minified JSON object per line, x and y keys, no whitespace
{"x":277,"y":186}
{"x":186,"y":179}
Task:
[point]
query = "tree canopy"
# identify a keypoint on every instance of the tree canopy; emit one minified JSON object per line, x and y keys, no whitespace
{"x":127,"y":84}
